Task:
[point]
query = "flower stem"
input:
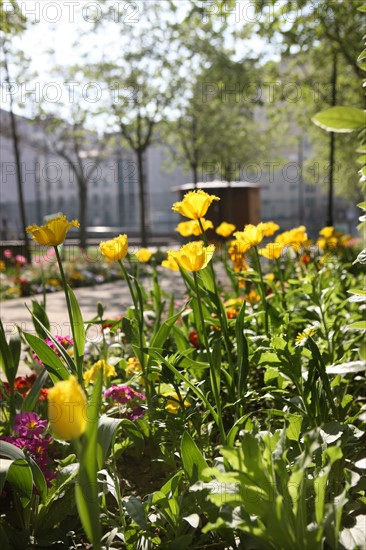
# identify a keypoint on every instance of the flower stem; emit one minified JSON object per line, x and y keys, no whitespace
{"x":222,"y":318}
{"x":261,"y":288}
{"x":215,"y":389}
{"x":79,"y":365}
{"x":139,"y":316}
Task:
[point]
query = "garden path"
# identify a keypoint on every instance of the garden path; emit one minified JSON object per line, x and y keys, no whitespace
{"x":114,"y":297}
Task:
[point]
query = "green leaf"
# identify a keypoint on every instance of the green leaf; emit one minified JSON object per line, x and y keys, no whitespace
{"x":79,"y":331}
{"x":60,"y":349}
{"x":40,"y":313}
{"x":31,"y":398}
{"x":320,"y":366}
{"x":161,"y":336}
{"x":6,"y":359}
{"x":347,"y":368}
{"x":215,"y":371}
{"x":38,"y":478}
{"x":358,"y":325}
{"x":192,"y":458}
{"x":17,"y":473}
{"x":11,"y":451}
{"x":206,"y":276}
{"x":4,"y":541}
{"x":362,"y":56}
{"x":107,"y":428}
{"x":86,"y":489}
{"x":51,"y":361}
{"x":294,"y":428}
{"x":340,"y":119}
{"x":136,"y":511}
{"x":242,"y":351}
{"x":14,"y":347}
{"x":130,"y":329}
{"x":15,"y":454}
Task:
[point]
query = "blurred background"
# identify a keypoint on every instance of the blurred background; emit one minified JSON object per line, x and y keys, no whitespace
{"x":110,"y":108}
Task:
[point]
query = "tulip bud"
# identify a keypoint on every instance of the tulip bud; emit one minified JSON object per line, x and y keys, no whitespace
{"x":67,"y":409}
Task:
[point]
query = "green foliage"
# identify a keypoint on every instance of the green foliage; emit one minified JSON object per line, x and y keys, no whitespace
{"x":86,"y":488}
{"x":341,"y":119}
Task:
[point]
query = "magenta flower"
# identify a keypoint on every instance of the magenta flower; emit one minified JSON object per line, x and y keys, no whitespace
{"x":135,"y":414}
{"x":123,"y":394}
{"x":28,"y":430}
{"x":28,"y":424}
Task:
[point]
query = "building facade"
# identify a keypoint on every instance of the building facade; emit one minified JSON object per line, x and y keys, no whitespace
{"x":113,"y":194}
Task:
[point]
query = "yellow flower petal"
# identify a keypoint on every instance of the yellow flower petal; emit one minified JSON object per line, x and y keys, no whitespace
{"x":53,"y":232}
{"x":186,"y":229}
{"x":270,"y":228}
{"x":193,"y":256}
{"x":143,"y":255}
{"x":225,"y":229}
{"x":170,"y":263}
{"x":272,"y":251}
{"x":115,"y":249}
{"x":194,"y":204}
{"x":67,"y":409}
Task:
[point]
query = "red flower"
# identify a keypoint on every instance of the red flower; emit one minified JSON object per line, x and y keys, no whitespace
{"x":193,"y":339}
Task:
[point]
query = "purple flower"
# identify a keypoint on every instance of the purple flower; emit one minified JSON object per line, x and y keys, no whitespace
{"x":136,"y":414}
{"x":123,"y":394}
{"x":28,"y":424}
{"x":28,"y":429}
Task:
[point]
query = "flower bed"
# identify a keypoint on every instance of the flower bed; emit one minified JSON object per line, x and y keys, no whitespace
{"x":235,"y":419}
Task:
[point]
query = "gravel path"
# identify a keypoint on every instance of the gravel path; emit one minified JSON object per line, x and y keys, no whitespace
{"x":114,"y":297}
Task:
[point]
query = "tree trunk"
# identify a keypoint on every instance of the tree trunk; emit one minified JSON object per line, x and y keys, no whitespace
{"x":195,"y":174}
{"x":142,"y":197}
{"x":330,"y":215}
{"x":15,"y":139}
{"x":82,"y":214}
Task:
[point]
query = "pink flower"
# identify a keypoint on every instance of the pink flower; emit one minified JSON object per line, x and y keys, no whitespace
{"x":8,"y":253}
{"x":123,"y":394}
{"x":20,"y":259}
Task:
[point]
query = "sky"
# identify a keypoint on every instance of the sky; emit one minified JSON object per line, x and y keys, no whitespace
{"x":64,"y":26}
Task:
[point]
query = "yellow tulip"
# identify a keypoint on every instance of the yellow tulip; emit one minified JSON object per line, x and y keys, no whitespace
{"x":170,"y":263}
{"x":173,"y":405}
{"x":225,"y":229}
{"x":270,"y":228}
{"x":53,"y":232}
{"x":194,"y":204}
{"x":272,"y":251}
{"x":238,"y":257}
{"x":326,"y":232}
{"x":115,"y":249}
{"x":295,"y":237}
{"x":143,"y":255}
{"x":91,"y":374}
{"x":193,"y":256}
{"x":67,"y":409}
{"x":133,"y":366}
{"x":252,"y":234}
{"x":186,"y":229}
